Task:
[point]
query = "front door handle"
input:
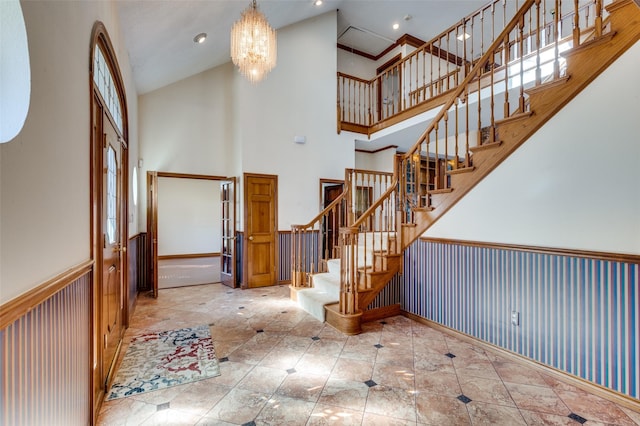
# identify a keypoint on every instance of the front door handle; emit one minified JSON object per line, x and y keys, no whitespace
{"x":251,"y":238}
{"x":120,"y":249}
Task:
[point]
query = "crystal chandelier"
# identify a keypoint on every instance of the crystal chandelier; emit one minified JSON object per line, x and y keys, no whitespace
{"x":253,"y":44}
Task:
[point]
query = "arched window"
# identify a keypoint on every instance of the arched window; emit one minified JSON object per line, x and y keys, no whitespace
{"x":15,"y":84}
{"x":103,"y":77}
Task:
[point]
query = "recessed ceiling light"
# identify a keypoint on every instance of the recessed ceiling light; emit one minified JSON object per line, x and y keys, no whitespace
{"x":396,"y":26}
{"x":318,"y":2}
{"x":200,"y":38}
{"x":463,"y":36}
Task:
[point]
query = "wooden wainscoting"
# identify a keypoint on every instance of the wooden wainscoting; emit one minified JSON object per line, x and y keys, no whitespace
{"x":45,"y":361}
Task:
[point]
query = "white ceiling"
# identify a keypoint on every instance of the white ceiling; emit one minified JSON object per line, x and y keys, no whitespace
{"x":158,"y":34}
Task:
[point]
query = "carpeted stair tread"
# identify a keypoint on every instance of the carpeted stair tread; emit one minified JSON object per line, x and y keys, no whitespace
{"x":333,"y":265}
{"x":328,"y":283}
{"x":313,"y":300}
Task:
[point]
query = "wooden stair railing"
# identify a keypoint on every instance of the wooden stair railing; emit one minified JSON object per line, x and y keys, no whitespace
{"x":314,"y":243}
{"x":495,"y":92}
{"x":369,"y":257}
{"x":419,"y":81}
{"x":433,"y":175}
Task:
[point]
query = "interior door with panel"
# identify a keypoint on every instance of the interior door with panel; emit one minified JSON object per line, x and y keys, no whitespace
{"x":260,"y":198}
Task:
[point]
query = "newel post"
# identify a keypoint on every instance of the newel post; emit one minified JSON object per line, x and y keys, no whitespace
{"x":348,"y":270}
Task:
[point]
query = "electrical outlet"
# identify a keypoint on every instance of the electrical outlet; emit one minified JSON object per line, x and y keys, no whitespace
{"x":515,"y":318}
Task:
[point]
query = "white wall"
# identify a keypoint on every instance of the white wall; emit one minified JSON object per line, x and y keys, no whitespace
{"x":188,"y":216}
{"x":297,"y":98}
{"x":574,"y":184}
{"x":217,"y":123}
{"x":356,"y":65}
{"x":44,"y":171}
{"x":381,"y":161}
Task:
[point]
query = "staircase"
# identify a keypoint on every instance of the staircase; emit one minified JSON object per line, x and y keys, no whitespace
{"x":520,"y":82}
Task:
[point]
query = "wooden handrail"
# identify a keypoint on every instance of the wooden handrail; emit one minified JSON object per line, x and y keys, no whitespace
{"x":472,"y":75}
{"x":365,"y":106}
{"x":371,"y":210}
{"x":315,"y":242}
{"x":323,"y":213}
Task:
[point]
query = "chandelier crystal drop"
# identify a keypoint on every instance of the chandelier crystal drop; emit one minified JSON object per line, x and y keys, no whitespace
{"x":253,"y":44}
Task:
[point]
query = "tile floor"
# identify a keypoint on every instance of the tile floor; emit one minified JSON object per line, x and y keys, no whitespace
{"x":280,"y":366}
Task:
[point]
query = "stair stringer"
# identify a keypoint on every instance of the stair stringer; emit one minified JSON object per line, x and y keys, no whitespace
{"x":379,"y":279}
{"x":584,"y":64}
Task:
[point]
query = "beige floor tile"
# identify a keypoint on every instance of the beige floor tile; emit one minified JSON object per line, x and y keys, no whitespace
{"x":262,"y":379}
{"x":125,"y":411}
{"x":329,"y":415}
{"x":352,"y":369}
{"x":391,"y":402}
{"x":327,"y":347}
{"x":537,"y":398}
{"x":282,"y":410}
{"x":594,"y":408}
{"x":371,"y":419}
{"x":281,"y":358}
{"x":485,"y":390}
{"x":199,"y":397}
{"x":239,"y":406}
{"x":171,"y":417}
{"x":510,"y":372}
{"x":344,"y":393}
{"x":395,"y":376}
{"x":441,"y":410}
{"x":533,"y":418}
{"x":275,"y":373}
{"x":437,"y":383}
{"x":494,"y":415}
{"x":316,"y":364}
{"x":305,"y":386}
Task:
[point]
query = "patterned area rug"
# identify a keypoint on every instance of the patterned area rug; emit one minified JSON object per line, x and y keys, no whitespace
{"x":160,"y":360}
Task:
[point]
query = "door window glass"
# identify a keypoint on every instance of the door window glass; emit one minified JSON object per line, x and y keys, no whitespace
{"x":112,"y":194}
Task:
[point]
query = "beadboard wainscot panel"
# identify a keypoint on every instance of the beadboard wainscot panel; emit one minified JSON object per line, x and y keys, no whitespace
{"x":284,"y":257}
{"x":579,"y":312}
{"x":45,"y":367}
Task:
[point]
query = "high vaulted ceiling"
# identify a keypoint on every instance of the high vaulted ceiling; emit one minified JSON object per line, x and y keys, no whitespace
{"x":158,"y":34}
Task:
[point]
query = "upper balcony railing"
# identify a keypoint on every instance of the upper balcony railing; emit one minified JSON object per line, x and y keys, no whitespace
{"x":418,"y":81}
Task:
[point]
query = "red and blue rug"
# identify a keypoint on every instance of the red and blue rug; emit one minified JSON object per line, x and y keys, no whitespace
{"x":156,"y":361}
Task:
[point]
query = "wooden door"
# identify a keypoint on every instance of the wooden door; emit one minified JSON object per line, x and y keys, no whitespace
{"x":152,"y":229}
{"x":228,"y":244}
{"x":114,"y":250}
{"x":260,"y":218}
{"x":332,"y":222}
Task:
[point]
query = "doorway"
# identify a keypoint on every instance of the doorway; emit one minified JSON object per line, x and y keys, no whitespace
{"x":109,"y":172}
{"x":330,"y":190}
{"x":260,"y":221}
{"x":188,"y":226}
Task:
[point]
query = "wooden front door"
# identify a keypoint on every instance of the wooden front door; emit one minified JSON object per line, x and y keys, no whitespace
{"x":228,"y":244}
{"x":260,"y":218}
{"x":114,"y":248}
